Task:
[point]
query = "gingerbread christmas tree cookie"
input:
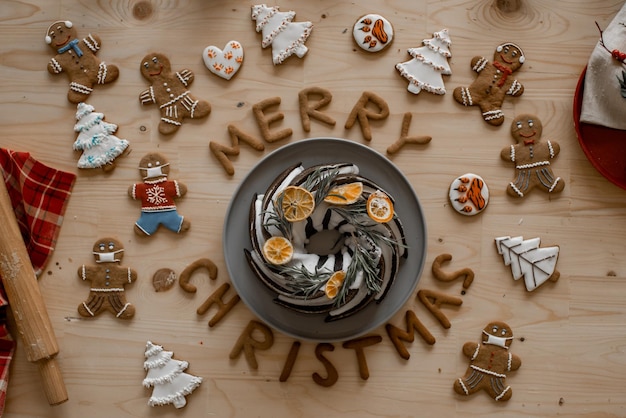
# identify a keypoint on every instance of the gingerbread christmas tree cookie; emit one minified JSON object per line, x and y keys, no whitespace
{"x":168,"y":378}
{"x":96,"y":139}
{"x":429,"y":63}
{"x":278,"y":29}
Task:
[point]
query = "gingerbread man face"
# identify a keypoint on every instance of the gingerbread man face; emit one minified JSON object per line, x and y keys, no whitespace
{"x":60,"y":34}
{"x":498,"y":333}
{"x":155,"y":67}
{"x":526,"y":129}
{"x":154,"y":166}
{"x":108,"y":250}
{"x":510,"y":55}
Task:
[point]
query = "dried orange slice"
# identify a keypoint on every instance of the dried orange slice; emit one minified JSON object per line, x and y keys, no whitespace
{"x":297,"y":203}
{"x":278,"y":250}
{"x":334,"y":284}
{"x":380,"y":207}
{"x":346,"y":194}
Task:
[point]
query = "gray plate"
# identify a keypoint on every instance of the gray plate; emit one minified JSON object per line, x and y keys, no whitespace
{"x":260,"y":299}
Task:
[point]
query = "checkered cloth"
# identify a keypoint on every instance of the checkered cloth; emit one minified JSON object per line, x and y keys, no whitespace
{"x":39,"y":195}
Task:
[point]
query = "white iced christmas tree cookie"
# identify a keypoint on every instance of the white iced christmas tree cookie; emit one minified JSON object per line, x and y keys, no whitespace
{"x":171,"y":384}
{"x":528,"y":260}
{"x":429,"y":63}
{"x":96,"y":140}
{"x":278,"y":30}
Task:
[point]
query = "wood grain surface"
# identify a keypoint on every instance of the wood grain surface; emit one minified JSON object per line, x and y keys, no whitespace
{"x":570,"y":335}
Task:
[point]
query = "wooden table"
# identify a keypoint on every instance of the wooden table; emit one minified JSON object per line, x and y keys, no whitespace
{"x":570,"y":335}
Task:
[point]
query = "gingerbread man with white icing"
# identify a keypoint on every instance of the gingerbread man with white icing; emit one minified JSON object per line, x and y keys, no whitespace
{"x":169,"y":91}
{"x":77,"y":58}
{"x":532,"y":158}
{"x":490,"y":361}
{"x":493,"y":83}
{"x":107,"y":281}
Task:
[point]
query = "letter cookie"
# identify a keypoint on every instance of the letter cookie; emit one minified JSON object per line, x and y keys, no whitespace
{"x":493,"y":82}
{"x":168,"y":90}
{"x":77,"y":58}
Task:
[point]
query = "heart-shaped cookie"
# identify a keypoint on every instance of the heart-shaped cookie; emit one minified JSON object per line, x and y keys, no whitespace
{"x":224,"y":63}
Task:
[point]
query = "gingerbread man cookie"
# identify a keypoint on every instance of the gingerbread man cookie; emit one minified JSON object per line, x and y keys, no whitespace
{"x":168,"y":90}
{"x":493,"y":82}
{"x":157,"y":195}
{"x":532,"y":158}
{"x":77,"y":58}
{"x":107,"y":281}
{"x":490,"y":361}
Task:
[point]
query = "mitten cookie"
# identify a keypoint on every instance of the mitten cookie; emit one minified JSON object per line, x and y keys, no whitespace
{"x":157,"y":195}
{"x":490,"y":361}
{"x":493,"y":82}
{"x":77,"y":58}
{"x":532,"y":158}
{"x":168,"y":90}
{"x":107,"y":281}
{"x":96,"y":140}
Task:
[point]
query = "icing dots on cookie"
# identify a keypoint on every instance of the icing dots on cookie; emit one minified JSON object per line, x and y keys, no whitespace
{"x":469,"y":194}
{"x":224,"y":62}
{"x":372,"y":32}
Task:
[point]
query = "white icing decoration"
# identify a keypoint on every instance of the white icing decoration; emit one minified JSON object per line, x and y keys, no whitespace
{"x":480,"y":64}
{"x":528,"y":260}
{"x":461,"y":199}
{"x":364,"y":36}
{"x":429,"y":63}
{"x":224,"y":63}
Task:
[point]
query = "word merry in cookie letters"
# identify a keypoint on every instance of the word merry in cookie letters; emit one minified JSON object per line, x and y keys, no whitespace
{"x":368,"y":107}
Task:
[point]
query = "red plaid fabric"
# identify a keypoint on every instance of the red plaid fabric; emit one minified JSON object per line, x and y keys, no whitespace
{"x":39,"y":195}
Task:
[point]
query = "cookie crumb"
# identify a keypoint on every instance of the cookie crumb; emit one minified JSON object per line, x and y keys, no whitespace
{"x":522,"y":339}
{"x":561,"y":401}
{"x":324,"y":16}
{"x":241,"y":104}
{"x":611,"y":273}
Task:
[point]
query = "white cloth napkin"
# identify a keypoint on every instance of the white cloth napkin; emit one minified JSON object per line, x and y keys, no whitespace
{"x":603,"y":103}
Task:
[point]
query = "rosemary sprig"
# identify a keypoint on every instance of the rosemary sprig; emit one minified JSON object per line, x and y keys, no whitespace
{"x":320,"y":181}
{"x":276,"y":218}
{"x":362,"y":261}
{"x":302,"y":281}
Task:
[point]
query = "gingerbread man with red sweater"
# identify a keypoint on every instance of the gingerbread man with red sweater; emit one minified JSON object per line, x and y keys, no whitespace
{"x":157,"y":195}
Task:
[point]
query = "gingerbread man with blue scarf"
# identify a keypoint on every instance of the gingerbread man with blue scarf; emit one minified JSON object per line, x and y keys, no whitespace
{"x":77,"y":58}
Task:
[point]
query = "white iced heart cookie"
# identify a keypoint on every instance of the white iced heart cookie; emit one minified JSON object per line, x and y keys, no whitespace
{"x":224,"y":63}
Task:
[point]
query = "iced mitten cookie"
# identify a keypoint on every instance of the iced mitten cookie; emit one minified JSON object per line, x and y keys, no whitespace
{"x":77,"y":58}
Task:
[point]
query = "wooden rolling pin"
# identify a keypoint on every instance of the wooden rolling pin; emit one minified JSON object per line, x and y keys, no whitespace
{"x":26,"y":302}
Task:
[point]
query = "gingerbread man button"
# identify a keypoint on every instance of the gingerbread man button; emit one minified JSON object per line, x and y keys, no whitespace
{"x":107,"y":281}
{"x":77,"y":58}
{"x":168,"y":90}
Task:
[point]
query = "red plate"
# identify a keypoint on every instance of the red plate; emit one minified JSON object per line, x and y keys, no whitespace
{"x":604,"y":147}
